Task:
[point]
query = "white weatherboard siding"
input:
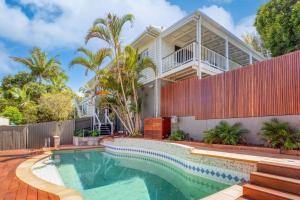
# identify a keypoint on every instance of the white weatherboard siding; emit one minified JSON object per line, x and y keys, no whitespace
{"x":148,"y":74}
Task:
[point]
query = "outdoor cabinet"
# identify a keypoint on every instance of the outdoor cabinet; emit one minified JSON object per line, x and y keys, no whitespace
{"x":157,"y":128}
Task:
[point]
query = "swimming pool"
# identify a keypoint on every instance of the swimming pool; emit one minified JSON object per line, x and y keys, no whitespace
{"x":100,"y":174}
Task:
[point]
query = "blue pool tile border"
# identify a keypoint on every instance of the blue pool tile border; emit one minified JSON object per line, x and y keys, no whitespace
{"x":195,"y":169}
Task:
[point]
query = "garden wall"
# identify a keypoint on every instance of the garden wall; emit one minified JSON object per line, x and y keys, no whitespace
{"x":196,"y":127}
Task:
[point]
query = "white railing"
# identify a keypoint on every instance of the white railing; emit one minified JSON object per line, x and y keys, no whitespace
{"x":179,"y":58}
{"x":107,"y":120}
{"x":213,"y":59}
{"x":190,"y":53}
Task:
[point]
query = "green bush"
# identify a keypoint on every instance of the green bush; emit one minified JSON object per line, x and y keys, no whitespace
{"x":86,"y":133}
{"x":224,"y":133}
{"x":280,"y":134}
{"x":179,"y":135}
{"x":13,"y":113}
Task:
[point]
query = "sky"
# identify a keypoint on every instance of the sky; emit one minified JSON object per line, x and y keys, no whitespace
{"x":59,"y":26}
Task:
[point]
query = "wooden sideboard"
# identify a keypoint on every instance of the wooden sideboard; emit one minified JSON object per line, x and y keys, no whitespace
{"x":157,"y":128}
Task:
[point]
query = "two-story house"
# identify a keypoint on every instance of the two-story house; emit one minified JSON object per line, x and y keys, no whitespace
{"x":194,"y":46}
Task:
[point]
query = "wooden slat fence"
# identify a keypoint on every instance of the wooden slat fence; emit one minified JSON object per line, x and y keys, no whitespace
{"x":13,"y":137}
{"x":33,"y":136}
{"x":268,"y":88}
{"x":37,"y":133}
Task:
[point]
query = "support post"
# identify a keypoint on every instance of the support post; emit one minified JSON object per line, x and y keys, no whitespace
{"x":227,"y":54}
{"x":250,"y":58}
{"x":158,"y":46}
{"x":199,"y":45}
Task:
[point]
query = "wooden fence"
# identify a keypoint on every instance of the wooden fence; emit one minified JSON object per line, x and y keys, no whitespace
{"x":268,"y":88}
{"x":33,"y":136}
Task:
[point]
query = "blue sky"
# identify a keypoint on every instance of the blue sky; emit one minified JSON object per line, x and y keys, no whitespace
{"x":59,"y":26}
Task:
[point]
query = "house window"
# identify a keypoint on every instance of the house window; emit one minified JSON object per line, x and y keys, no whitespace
{"x":144,"y":54}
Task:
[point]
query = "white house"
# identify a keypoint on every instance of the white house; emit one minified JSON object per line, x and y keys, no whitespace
{"x":194,"y":46}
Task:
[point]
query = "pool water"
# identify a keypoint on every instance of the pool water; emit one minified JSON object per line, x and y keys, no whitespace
{"x":98,"y":174}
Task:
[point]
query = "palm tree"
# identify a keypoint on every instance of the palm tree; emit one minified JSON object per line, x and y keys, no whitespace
{"x":40,"y":66}
{"x":93,"y":61}
{"x":109,"y":29}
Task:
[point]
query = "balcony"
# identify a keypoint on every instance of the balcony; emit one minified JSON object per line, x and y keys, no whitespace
{"x":188,"y":56}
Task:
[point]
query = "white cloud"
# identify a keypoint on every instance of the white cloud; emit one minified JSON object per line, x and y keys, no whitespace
{"x":68,"y":29}
{"x":224,"y":18}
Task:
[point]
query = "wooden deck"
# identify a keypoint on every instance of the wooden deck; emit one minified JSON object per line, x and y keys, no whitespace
{"x":11,"y":188}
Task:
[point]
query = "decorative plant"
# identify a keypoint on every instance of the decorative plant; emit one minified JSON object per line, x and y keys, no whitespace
{"x":280,"y":134}
{"x":178,"y":135}
{"x":86,"y":133}
{"x":224,"y":133}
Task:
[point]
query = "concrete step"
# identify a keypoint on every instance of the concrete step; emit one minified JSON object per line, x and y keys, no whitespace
{"x":281,"y":183}
{"x":279,"y":169}
{"x":256,"y":192}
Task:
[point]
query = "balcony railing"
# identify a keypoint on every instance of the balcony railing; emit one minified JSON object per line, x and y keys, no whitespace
{"x":187,"y":54}
{"x":179,"y":58}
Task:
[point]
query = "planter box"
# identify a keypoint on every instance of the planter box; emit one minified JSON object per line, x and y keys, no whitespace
{"x":86,"y":141}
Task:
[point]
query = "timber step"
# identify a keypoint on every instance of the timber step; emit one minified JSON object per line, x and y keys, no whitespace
{"x":279,"y":169}
{"x":284,"y":184}
{"x":255,"y":192}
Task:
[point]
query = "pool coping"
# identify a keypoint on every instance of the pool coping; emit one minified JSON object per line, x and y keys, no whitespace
{"x":25,"y":174}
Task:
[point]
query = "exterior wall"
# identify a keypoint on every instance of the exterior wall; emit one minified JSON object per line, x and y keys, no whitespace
{"x":148,"y":105}
{"x":196,"y":127}
{"x":148,"y":74}
{"x":167,"y":48}
{"x":4,"y":121}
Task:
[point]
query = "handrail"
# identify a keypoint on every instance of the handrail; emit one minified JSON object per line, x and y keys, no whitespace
{"x":106,"y":117}
{"x":190,"y":53}
{"x":179,"y":57}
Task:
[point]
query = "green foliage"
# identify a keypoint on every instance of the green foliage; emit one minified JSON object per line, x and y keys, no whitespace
{"x":30,"y":111}
{"x":280,"y":134}
{"x":179,"y":135}
{"x":224,"y":133}
{"x":120,"y":80}
{"x":26,"y":90}
{"x":86,"y":133}
{"x":13,"y":113}
{"x":56,"y":106}
{"x":278,"y":23}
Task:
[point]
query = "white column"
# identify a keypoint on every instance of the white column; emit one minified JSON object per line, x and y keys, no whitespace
{"x":199,"y":45}
{"x":250,"y":58}
{"x":227,"y":54}
{"x":158,"y":49}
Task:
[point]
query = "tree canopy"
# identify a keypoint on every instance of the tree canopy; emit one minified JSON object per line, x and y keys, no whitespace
{"x":278,"y":24}
{"x":22,"y":96}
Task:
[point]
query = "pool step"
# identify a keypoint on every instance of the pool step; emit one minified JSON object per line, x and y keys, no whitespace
{"x":279,"y":169}
{"x":276,"y":182}
{"x":255,"y":192}
{"x":273,"y":181}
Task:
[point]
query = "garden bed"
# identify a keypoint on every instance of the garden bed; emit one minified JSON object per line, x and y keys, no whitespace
{"x":241,"y":147}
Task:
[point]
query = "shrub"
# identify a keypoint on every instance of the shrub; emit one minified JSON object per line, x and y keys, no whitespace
{"x":280,"y":134}
{"x":178,"y":135}
{"x":13,"y":113}
{"x":224,"y":133}
{"x":86,"y":133}
{"x":55,"y":106}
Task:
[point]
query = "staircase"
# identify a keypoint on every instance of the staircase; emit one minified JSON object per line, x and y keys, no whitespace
{"x":273,"y":181}
{"x":101,"y":121}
